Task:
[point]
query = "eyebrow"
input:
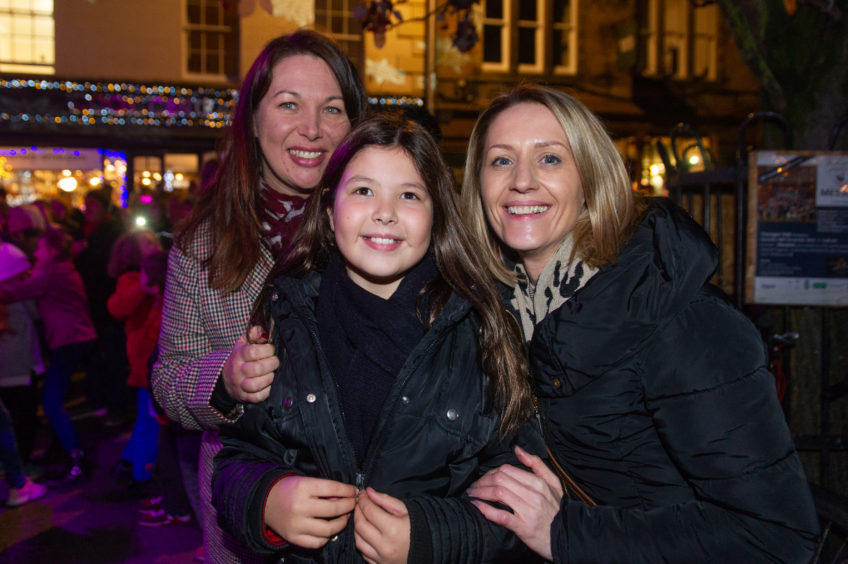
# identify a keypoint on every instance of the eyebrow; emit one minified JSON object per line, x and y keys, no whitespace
{"x":540,"y":144}
{"x":418,"y":185}
{"x":299,"y":95}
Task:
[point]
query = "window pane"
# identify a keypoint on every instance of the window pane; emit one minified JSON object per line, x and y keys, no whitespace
{"x":22,"y":50}
{"x":526,"y":46}
{"x":212,"y":14}
{"x":43,"y":6}
{"x":560,"y":44}
{"x":212,"y":66}
{"x":494,"y":9}
{"x":43,"y":27}
{"x":194,"y":40}
{"x":212,"y":41}
{"x":193,"y":12}
{"x":21,"y":25}
{"x":527,"y":10}
{"x":194,"y":63}
{"x":562,"y":11}
{"x":492,"y":44}
{"x":43,"y":52}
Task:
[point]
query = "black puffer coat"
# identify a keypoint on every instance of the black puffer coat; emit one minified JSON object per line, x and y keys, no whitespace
{"x":656,"y":398}
{"x":436,"y":434}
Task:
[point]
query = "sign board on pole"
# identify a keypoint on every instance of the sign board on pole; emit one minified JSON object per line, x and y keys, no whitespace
{"x":797,"y":228}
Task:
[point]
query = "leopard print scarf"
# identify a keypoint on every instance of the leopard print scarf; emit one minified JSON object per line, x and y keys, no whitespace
{"x":558,"y":281}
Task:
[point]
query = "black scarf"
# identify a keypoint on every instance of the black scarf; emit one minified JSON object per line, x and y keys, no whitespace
{"x":367,"y":340}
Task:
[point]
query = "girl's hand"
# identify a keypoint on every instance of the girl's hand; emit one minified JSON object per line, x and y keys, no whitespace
{"x":533,"y":497}
{"x":249,"y":371}
{"x":307,"y":511}
{"x":381,"y":528}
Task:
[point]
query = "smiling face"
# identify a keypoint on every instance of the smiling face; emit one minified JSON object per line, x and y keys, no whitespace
{"x":530,"y":186}
{"x":298,"y":123}
{"x":382,"y":216}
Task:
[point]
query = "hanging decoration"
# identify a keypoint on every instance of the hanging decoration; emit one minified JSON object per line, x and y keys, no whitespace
{"x":379,"y":16}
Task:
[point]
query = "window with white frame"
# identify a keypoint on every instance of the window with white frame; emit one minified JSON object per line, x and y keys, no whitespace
{"x":27,"y":37}
{"x":678,"y":40}
{"x":704,"y":47}
{"x":564,"y":36}
{"x":335,"y":18}
{"x":211,"y":39}
{"x":523,"y":35}
{"x":496,"y":35}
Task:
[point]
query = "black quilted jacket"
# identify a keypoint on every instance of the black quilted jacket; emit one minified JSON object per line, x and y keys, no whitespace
{"x":655,"y":397}
{"x":436,"y":435}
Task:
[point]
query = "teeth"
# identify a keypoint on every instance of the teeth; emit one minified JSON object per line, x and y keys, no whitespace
{"x":306,"y":154}
{"x":525,"y":210}
{"x":382,"y":240}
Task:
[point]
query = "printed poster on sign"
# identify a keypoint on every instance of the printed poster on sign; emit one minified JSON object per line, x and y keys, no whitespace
{"x":797,"y":228}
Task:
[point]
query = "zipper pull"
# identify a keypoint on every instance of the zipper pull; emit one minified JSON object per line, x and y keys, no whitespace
{"x":537,"y":414}
{"x":360,"y":481}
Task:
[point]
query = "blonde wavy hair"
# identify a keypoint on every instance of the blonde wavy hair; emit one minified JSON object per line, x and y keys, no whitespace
{"x":610,"y":213}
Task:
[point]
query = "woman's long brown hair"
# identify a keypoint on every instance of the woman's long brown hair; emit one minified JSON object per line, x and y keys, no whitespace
{"x":229,"y":206}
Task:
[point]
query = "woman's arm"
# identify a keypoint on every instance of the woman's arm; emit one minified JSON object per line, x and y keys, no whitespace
{"x":199,"y":384}
{"x":34,"y":286}
{"x":188,"y":367}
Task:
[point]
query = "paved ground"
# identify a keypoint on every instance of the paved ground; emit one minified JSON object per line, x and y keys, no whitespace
{"x":93,"y":522}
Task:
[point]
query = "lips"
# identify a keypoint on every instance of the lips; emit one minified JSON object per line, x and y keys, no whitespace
{"x":527,"y":209}
{"x":382,"y":242}
{"x":303,"y":154}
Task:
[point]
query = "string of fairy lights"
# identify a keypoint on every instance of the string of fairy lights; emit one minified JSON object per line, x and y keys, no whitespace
{"x":121,"y":103}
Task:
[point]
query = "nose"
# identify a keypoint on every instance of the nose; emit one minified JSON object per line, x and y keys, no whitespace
{"x":384,"y":212}
{"x":524,"y":176}
{"x":309,"y":125}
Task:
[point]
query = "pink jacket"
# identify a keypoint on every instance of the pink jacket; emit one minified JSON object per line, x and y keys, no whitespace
{"x":62,"y":304}
{"x":132,"y":306}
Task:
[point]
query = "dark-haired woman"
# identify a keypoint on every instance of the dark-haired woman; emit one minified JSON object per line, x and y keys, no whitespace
{"x":652,"y":389}
{"x":296,"y":103}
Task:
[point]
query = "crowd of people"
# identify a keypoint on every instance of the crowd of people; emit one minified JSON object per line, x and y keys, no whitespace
{"x":388,"y":367}
{"x":81,"y":293}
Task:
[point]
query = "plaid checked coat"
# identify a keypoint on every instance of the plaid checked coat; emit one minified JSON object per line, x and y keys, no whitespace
{"x":200,"y":324}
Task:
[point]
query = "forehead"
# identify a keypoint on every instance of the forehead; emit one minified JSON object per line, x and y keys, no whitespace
{"x":305,"y":75}
{"x":525,"y":121}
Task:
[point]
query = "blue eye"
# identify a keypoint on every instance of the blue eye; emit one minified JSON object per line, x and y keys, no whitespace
{"x":501,"y":161}
{"x":334,"y":110}
{"x":551,"y":159}
{"x":288,"y":105}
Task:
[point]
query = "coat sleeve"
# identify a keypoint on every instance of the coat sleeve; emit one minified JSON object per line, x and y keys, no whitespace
{"x":245,"y":469}
{"x":715,"y":410}
{"x":127,"y":296}
{"x":187,"y":371}
{"x":34,"y":286}
{"x":458,"y":531}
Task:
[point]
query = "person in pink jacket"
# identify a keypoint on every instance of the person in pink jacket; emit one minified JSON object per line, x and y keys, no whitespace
{"x":60,"y":296}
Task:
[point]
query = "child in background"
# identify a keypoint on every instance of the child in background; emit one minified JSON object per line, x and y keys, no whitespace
{"x":132,"y":304}
{"x":173,"y":506}
{"x":63,"y":307}
{"x":395,"y":352}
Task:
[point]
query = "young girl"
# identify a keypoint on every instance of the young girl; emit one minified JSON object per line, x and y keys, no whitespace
{"x":396,"y":355}
{"x":63,"y":307}
{"x":132,"y":305}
